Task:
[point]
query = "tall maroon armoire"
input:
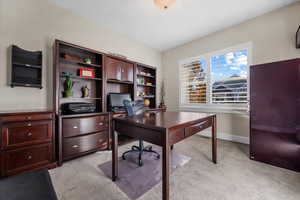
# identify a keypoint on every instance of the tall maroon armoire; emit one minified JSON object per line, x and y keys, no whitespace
{"x":275,"y":113}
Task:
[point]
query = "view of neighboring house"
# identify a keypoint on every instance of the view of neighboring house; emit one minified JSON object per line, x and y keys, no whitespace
{"x":230,"y":90}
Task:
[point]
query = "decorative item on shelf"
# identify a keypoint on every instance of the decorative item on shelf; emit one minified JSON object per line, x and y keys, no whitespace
{"x":162,"y":94}
{"x":87,"y":60}
{"x":68,"y":87}
{"x":85,"y":91}
{"x":117,"y":55}
{"x":140,"y":81}
{"x":147,"y":102}
{"x":70,"y":57}
{"x":142,"y":73}
{"x":86,"y":72}
{"x":149,"y":84}
{"x":68,"y":74}
{"x":298,"y":38}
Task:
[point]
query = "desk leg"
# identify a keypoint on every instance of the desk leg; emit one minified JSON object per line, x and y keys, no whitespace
{"x":214,"y":140}
{"x":114,"y":136}
{"x":166,"y":168}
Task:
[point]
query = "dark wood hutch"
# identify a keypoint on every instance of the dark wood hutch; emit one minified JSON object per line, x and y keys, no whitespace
{"x":79,"y":134}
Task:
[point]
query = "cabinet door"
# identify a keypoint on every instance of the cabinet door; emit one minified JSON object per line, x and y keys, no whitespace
{"x":113,"y":68}
{"x":127,"y":72}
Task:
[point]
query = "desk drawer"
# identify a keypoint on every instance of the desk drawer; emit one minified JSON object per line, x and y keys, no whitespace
{"x":27,"y":117}
{"x":27,"y":158}
{"x":189,"y":131}
{"x":26,"y":133}
{"x":77,"y":145}
{"x":79,"y":126}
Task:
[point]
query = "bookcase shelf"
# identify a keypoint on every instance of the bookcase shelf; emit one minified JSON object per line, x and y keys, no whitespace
{"x":146,"y":74}
{"x":80,"y":63}
{"x":83,"y":78}
{"x":69,"y":59}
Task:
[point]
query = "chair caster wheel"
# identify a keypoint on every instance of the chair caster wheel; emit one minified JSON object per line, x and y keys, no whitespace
{"x":140,"y":163}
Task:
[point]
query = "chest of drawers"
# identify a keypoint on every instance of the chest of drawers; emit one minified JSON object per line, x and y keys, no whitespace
{"x":82,"y":134}
{"x":27,"y":142}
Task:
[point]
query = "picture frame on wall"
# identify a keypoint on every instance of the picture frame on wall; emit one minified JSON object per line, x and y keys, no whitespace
{"x":298,"y":38}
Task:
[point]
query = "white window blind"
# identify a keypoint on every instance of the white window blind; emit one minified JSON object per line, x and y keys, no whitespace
{"x":219,"y":78}
{"x":194,"y":82}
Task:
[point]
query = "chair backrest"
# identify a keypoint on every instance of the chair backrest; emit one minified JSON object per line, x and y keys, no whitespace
{"x":134,"y":108}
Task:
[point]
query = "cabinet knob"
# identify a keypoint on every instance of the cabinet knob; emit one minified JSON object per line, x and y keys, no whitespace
{"x":29,"y":117}
{"x":100,"y":124}
{"x":75,"y":146}
{"x":75,"y":127}
{"x":29,"y":134}
{"x":29,"y":157}
{"x":29,"y":124}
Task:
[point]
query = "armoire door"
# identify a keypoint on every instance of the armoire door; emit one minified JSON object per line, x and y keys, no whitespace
{"x":274,"y":113}
{"x":114,"y":69}
{"x":127,"y":72}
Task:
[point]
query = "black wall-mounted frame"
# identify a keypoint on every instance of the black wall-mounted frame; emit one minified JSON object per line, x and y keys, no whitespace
{"x":298,"y":38}
{"x":26,"y":68}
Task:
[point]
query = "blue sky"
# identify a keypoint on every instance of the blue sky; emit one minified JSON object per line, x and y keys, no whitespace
{"x":226,"y":65}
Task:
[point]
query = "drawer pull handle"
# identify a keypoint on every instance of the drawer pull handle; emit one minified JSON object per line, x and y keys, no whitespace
{"x":29,"y":117}
{"x":29,"y":157}
{"x":29,"y":134}
{"x":100,"y":124}
{"x":75,"y":127}
{"x":75,"y":146}
{"x":29,"y":124}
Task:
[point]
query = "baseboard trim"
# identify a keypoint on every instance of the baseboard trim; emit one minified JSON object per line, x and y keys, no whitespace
{"x":228,"y":137}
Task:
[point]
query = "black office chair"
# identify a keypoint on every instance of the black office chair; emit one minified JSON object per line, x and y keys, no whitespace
{"x":137,"y":108}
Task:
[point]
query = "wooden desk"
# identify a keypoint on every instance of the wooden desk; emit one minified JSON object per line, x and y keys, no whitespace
{"x":163,"y":129}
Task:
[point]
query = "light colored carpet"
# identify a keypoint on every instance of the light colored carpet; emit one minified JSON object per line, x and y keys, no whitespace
{"x":235,"y":177}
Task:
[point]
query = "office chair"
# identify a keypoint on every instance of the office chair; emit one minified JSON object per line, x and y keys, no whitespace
{"x":137,"y":108}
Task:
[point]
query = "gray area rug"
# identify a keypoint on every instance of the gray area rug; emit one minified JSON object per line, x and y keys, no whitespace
{"x":136,"y":181}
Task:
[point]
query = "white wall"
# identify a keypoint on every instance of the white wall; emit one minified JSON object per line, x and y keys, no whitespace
{"x":34,"y":25}
{"x":273,"y":38}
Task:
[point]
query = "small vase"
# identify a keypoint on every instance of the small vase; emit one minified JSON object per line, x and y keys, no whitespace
{"x":68,"y":93}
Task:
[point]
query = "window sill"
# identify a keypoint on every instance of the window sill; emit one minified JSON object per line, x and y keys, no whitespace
{"x":243,"y":110}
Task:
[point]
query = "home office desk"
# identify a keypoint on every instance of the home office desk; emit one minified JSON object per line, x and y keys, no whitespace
{"x":163,"y":129}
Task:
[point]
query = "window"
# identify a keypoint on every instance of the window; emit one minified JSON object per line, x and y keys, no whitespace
{"x":218,"y":79}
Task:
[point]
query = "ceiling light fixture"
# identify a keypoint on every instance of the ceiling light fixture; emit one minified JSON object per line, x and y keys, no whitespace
{"x":164,"y":4}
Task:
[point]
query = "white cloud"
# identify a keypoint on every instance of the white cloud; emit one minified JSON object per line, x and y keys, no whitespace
{"x":229,"y":57}
{"x":235,"y":68}
{"x":242,"y":60}
{"x":244,"y":74}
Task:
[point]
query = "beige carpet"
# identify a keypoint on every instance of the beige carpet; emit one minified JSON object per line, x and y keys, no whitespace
{"x":234,"y":178}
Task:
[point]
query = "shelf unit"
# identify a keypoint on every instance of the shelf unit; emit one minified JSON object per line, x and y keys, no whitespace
{"x":79,"y":134}
{"x":146,"y":74}
{"x":70,"y":59}
{"x":26,"y":70}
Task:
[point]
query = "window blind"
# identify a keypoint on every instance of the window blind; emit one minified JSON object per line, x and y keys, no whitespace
{"x":193,"y":82}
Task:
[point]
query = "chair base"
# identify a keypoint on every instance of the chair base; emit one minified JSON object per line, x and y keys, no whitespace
{"x":140,"y":149}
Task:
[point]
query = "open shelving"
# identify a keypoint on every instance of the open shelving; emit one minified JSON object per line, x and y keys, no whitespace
{"x":69,"y":59}
{"x":146,"y":84}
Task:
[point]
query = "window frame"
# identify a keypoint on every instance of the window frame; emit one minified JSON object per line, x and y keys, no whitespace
{"x":213,"y":107}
